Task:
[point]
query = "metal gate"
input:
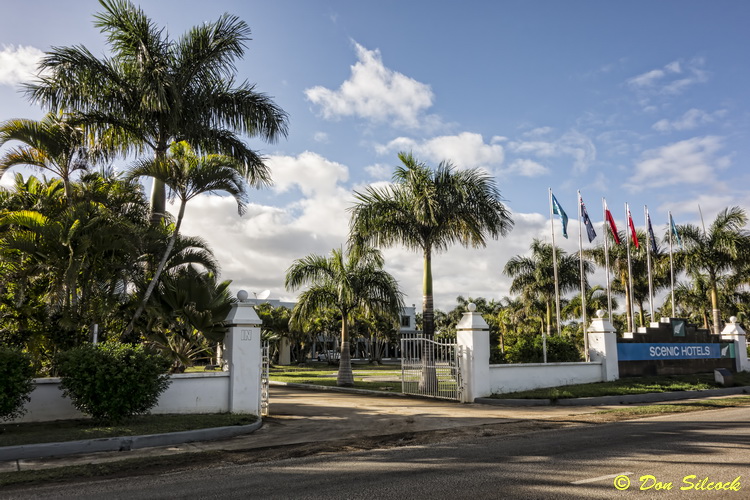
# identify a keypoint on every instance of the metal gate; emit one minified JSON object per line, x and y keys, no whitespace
{"x":430,"y":367}
{"x":264,"y":385}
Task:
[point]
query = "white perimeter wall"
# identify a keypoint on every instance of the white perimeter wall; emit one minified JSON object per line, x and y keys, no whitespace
{"x":188,"y":393}
{"x":524,"y":377}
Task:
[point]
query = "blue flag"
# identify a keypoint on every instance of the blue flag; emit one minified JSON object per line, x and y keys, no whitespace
{"x":557,"y":210}
{"x":674,"y":230}
{"x":589,"y":226}
{"x":651,"y":237}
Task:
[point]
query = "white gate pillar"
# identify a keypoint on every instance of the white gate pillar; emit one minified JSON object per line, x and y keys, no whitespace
{"x":733,"y":331}
{"x":603,"y":346}
{"x":473,"y":338}
{"x":243,"y":356}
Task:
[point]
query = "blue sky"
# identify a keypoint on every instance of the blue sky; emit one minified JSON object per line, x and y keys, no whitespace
{"x":641,"y":102}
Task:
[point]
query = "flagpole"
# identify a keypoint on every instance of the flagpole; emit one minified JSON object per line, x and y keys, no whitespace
{"x":606,"y":260}
{"x":671,"y":262}
{"x":583,"y":277}
{"x":648,"y":263}
{"x":630,"y":273}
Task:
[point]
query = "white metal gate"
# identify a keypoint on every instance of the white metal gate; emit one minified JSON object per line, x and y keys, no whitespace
{"x":264,"y":385}
{"x":430,"y":367}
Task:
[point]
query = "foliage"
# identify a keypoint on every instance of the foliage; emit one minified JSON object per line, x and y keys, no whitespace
{"x":112,"y":381}
{"x":428,"y":210}
{"x":352,"y":282}
{"x":16,"y":373}
{"x":529,"y":349}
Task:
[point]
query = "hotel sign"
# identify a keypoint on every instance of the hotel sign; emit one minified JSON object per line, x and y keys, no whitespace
{"x":656,"y":352}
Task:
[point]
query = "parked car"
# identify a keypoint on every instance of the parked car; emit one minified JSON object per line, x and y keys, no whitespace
{"x":329,"y":355}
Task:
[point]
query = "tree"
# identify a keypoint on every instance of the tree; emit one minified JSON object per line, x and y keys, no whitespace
{"x":534,"y":276}
{"x":187,"y":175}
{"x":353,"y":282}
{"x":54,"y":143}
{"x":154,"y":91}
{"x":428,"y":210}
{"x":725,"y":246}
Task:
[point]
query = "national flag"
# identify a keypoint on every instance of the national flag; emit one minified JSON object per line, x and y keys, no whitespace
{"x":633,"y":234}
{"x":608,"y":217}
{"x":589,"y":226}
{"x":674,"y":230}
{"x":557,"y":209}
{"x":651,"y":237}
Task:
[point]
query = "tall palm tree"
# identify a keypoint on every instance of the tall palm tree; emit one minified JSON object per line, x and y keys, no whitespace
{"x":428,"y":210}
{"x":53,"y":143}
{"x":187,"y":175}
{"x":154,"y":91}
{"x":351,"y":283}
{"x":534,"y":276}
{"x":723,"y":247}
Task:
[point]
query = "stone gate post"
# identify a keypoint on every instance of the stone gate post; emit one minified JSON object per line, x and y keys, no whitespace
{"x":243,"y":356}
{"x":473,"y":337}
{"x":603,"y":346}
{"x":733,"y":331}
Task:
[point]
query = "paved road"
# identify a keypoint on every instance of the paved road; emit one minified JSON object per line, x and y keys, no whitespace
{"x":574,"y":462}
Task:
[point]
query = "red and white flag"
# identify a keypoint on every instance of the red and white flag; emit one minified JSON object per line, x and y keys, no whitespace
{"x":633,"y":234}
{"x":611,"y":221}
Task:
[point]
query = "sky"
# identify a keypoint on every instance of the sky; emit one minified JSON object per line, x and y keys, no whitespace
{"x":638,"y":102}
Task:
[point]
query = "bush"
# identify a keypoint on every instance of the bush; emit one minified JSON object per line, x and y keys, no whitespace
{"x":16,"y":373}
{"x":529,"y":350}
{"x":113,"y":381}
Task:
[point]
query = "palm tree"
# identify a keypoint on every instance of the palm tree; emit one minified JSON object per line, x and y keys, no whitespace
{"x":428,"y":210}
{"x":154,"y":91}
{"x":596,"y":298}
{"x":725,"y":246}
{"x":534,"y":276}
{"x":351,"y":283}
{"x":53,"y":143}
{"x":187,"y":175}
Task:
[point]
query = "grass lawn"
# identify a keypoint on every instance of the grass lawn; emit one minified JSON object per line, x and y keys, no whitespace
{"x":73,"y":430}
{"x":325,"y":374}
{"x":660,"y":409}
{"x":628,"y":385}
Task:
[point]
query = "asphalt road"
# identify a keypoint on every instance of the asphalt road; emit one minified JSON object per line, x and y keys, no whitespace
{"x":570,"y":463}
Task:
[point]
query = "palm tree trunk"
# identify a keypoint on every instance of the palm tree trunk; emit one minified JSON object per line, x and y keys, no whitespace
{"x":159,"y":270}
{"x":428,"y":383}
{"x":715,"y":309}
{"x":345,"y":376}
{"x":158,"y":190}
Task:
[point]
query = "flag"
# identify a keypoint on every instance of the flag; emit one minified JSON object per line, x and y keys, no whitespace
{"x":589,"y":226}
{"x":651,"y":237}
{"x":674,"y":230}
{"x":557,"y":209}
{"x":633,"y":234}
{"x":608,"y":217}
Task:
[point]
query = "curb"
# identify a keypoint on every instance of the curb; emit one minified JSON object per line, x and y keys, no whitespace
{"x":126,"y":443}
{"x":652,"y":397}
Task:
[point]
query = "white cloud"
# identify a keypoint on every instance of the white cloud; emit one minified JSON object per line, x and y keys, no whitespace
{"x":380,"y":171}
{"x":573,"y":144}
{"x":669,"y":79}
{"x":692,"y":161}
{"x":465,"y":150}
{"x":527,"y":168}
{"x":310,"y":172}
{"x":320,"y":137}
{"x":374,"y":92}
{"x":18,"y":64}
{"x":690,"y":120}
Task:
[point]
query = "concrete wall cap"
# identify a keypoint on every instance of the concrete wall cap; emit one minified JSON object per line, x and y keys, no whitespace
{"x":472,"y":321}
{"x":243,"y":313}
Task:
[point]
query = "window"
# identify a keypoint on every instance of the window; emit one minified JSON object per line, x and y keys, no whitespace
{"x":406,"y":321}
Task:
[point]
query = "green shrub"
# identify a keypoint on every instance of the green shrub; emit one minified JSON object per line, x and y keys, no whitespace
{"x":529,"y":350}
{"x":113,"y":381}
{"x":16,"y":373}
